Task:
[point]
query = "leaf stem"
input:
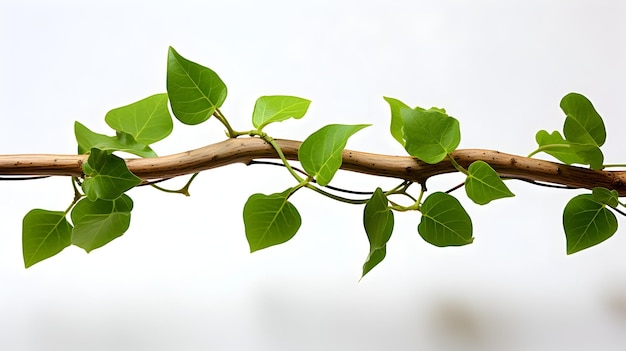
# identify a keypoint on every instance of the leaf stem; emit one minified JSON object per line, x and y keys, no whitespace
{"x":268,"y":139}
{"x":548,"y":147}
{"x":184,"y":190}
{"x":220,"y":117}
{"x":457,"y":166}
{"x":77,"y":195}
{"x":419,"y":199}
{"x":416,"y":205}
{"x":336,"y":197}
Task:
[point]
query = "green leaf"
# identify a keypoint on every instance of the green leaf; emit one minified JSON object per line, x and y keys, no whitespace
{"x":320,"y":153}
{"x":88,"y":140}
{"x":98,"y":222}
{"x":195,"y":91}
{"x":397,"y":119}
{"x":444,"y":221}
{"x":107,"y":176}
{"x":270,"y":109}
{"x":44,"y":234}
{"x":584,"y":129}
{"x":606,"y":196}
{"x":556,"y":146}
{"x":374,"y":258}
{"x":430,"y":134}
{"x":587,"y":222}
{"x":400,"y":112}
{"x":583,"y":125}
{"x":591,"y":154}
{"x":147,"y":120}
{"x":483,"y":184}
{"x":270,"y":220}
{"x":378,"y":222}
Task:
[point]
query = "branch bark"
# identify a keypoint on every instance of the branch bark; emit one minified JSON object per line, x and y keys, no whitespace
{"x":244,"y":150}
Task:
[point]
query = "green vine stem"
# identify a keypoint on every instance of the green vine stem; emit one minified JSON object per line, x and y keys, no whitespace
{"x":220,"y":117}
{"x":457,"y":166}
{"x":184,"y":190}
{"x":548,"y":147}
{"x":77,"y":195}
{"x":336,"y":197}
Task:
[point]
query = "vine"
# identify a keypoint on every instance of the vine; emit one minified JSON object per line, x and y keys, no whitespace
{"x":101,"y":208}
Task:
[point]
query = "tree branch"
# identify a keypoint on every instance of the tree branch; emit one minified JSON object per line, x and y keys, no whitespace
{"x":244,"y":150}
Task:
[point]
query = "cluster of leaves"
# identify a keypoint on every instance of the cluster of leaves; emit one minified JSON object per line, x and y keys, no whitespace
{"x":587,"y":219}
{"x":101,"y":209}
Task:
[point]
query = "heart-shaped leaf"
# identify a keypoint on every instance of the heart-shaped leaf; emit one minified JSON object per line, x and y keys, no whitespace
{"x":277,"y":108}
{"x":195,"y":91}
{"x":591,"y":154}
{"x":378,"y":222}
{"x":320,"y":153}
{"x":270,"y":220}
{"x":397,"y":119}
{"x":88,"y":140}
{"x":147,"y":120}
{"x":556,"y":146}
{"x":44,"y":234}
{"x":400,"y":112}
{"x":98,"y":222}
{"x":483,"y":184}
{"x":107,"y":176}
{"x":583,"y":124}
{"x":430,"y":134}
{"x":606,"y":196}
{"x":584,"y":129}
{"x":444,"y":221}
{"x":587,"y":222}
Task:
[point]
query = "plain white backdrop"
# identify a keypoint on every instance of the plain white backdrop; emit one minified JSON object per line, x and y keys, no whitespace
{"x":182,"y":278}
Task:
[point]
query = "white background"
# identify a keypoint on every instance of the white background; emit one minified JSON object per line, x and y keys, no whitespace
{"x":182,"y":278}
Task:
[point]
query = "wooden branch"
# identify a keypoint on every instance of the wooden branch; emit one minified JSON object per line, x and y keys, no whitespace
{"x":244,"y":150}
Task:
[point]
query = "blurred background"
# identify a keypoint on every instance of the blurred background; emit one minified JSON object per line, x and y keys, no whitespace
{"x":182,"y":277}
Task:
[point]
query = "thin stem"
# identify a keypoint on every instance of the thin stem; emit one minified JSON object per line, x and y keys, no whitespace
{"x":547,"y":147}
{"x":77,"y":195}
{"x":614,"y":165}
{"x":534,"y":182}
{"x":457,"y":166}
{"x":455,"y":188}
{"x":300,"y":185}
{"x":419,"y":199}
{"x":399,"y":189}
{"x":220,"y":117}
{"x":171,"y":191}
{"x":334,"y":188}
{"x":253,"y":132}
{"x":409,"y":196}
{"x":23,"y":178}
{"x":279,"y":164}
{"x":416,"y":205}
{"x":184,"y":190}
{"x":336,"y":197}
{"x":155,"y":181}
{"x":268,"y":139}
